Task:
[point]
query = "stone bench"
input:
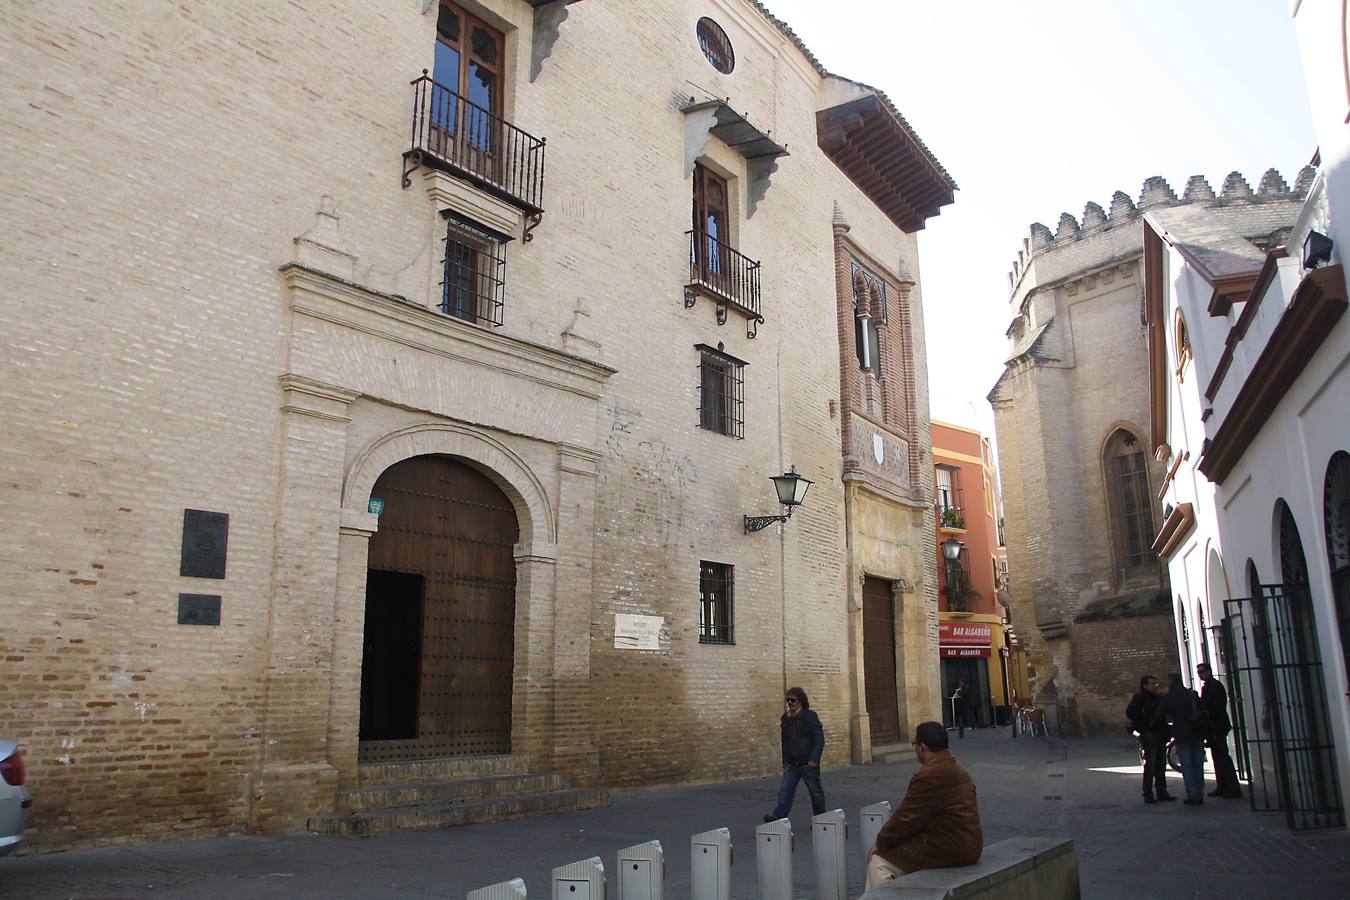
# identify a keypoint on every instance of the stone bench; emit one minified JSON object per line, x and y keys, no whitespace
{"x":1025,"y":868}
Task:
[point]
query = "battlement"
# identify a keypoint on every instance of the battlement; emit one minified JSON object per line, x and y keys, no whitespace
{"x":1155,"y":192}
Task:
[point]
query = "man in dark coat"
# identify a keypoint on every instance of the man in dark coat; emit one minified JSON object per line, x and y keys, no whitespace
{"x":938,"y":822}
{"x":1214,"y":698}
{"x":803,"y":742}
{"x":1152,"y":738}
{"x":1180,"y":705}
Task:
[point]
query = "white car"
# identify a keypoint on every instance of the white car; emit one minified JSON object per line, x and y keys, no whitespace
{"x":14,"y":799}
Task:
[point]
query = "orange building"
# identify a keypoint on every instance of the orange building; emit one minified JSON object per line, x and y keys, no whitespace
{"x":976,"y":641}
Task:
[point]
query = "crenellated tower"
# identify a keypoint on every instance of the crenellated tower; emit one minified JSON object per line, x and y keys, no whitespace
{"x":1089,"y":597}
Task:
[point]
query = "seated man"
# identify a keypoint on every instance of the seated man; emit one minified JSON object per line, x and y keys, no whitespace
{"x":938,"y":822}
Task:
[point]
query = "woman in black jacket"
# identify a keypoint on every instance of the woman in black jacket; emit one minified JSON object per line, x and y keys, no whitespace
{"x":803,"y":742}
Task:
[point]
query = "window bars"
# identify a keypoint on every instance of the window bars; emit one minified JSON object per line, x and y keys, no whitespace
{"x":474,"y":273}
{"x":715,"y":621}
{"x":721,"y":394}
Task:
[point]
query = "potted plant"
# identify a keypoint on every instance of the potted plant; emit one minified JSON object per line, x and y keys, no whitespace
{"x":952,"y":518}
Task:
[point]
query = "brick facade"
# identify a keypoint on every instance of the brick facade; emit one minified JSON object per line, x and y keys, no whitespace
{"x":221,"y":298}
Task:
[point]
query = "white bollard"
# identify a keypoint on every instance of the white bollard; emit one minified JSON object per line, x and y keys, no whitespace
{"x":829,"y":835}
{"x":642,"y":872}
{"x":773,"y":858}
{"x":584,"y":880}
{"x":711,"y":856}
{"x":873,"y":817}
{"x":506,"y":890}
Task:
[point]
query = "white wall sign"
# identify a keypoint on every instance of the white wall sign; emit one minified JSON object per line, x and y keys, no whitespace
{"x":637,"y":632}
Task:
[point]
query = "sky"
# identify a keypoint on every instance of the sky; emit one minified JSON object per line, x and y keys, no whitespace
{"x":1036,"y":107}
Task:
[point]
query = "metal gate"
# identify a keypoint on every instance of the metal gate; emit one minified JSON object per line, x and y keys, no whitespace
{"x":1283,"y":727}
{"x":441,"y":587}
{"x":879,"y":661}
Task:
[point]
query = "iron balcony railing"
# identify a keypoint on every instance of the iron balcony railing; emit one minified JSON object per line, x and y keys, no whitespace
{"x":449,"y":132}
{"x":726,"y":273}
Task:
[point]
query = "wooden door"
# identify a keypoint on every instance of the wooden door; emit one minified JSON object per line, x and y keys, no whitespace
{"x":450,"y":532}
{"x":879,"y":661}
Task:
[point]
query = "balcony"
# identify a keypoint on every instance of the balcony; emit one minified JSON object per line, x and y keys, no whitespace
{"x":725,"y":276}
{"x":951,"y":519}
{"x":454,"y":135}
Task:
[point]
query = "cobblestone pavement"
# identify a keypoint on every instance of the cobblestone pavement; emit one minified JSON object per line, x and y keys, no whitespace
{"x":1088,"y":790}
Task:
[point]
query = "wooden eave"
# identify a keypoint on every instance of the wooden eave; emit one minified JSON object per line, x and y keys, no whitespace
{"x":1239,"y":329}
{"x":1174,"y":529}
{"x":1230,"y":289}
{"x":1317,"y":304}
{"x":879,"y":153}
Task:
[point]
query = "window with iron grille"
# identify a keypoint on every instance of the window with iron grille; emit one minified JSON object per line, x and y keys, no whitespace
{"x":716,"y":45}
{"x":721,"y":396}
{"x":474,"y":272}
{"x":716,"y":624}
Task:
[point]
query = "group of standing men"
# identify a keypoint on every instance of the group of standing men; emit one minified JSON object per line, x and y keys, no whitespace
{"x":1192,"y":721}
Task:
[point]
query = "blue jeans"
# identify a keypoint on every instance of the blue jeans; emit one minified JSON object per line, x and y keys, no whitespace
{"x":1191,"y":755}
{"x":792,"y":775}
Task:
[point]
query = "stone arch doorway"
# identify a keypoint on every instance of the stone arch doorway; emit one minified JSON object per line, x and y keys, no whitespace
{"x":439,"y":647}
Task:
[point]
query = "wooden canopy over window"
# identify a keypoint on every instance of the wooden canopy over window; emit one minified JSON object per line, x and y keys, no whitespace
{"x":874,"y":146}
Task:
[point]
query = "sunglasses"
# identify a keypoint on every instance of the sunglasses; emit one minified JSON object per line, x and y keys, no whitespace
{"x":791,"y":701}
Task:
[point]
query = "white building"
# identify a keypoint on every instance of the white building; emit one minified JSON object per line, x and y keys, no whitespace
{"x":1250,"y":405}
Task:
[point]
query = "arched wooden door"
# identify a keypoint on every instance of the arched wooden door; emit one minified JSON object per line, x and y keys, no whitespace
{"x":439,"y":641}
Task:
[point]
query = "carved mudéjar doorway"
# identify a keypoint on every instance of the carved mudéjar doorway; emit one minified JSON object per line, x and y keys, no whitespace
{"x":439,"y":643}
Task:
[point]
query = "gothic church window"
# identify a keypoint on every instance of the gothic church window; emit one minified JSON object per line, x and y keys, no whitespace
{"x":1129,"y":504}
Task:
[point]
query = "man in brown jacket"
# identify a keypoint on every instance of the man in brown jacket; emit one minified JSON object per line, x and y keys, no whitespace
{"x":938,"y":822}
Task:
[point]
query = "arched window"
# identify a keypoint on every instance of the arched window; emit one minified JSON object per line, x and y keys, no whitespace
{"x":1129,"y":505}
{"x":1181,"y":344}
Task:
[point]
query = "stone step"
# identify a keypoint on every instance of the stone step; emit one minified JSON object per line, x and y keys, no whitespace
{"x":370,"y":799}
{"x":891,"y":753}
{"x":443,"y":769}
{"x":445,"y":815}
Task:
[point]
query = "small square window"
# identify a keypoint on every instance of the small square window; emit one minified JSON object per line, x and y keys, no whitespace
{"x":721,"y":395}
{"x":716,"y":623}
{"x":473,"y":273}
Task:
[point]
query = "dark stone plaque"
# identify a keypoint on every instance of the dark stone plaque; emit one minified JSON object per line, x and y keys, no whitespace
{"x":204,"y":537}
{"x":198,"y":609}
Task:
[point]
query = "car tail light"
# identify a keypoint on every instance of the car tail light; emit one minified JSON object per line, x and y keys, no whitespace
{"x":11,"y":768}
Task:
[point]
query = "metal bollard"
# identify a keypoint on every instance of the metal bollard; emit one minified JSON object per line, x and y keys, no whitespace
{"x":710,"y":865}
{"x":873,"y":817}
{"x":506,"y":890}
{"x":829,"y":835}
{"x":642,"y":872}
{"x":584,"y":880}
{"x":774,"y":844}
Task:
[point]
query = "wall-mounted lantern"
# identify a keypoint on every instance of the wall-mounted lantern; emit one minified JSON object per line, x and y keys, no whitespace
{"x":1316,"y":249}
{"x":791,"y":489}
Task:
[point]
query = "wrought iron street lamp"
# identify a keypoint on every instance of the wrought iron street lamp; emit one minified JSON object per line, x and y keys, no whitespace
{"x":791,"y":489}
{"x":951,"y":549}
